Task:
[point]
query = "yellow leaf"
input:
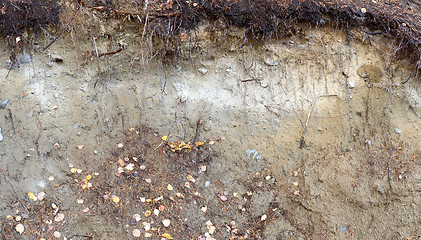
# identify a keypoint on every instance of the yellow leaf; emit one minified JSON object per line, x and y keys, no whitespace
{"x":169,"y":187}
{"x":148,"y":213}
{"x":165,"y":138}
{"x":73,"y":170}
{"x":167,"y":236}
{"x":116,"y":199}
{"x":31,"y":195}
{"x":89,"y":177}
{"x":199,"y":144}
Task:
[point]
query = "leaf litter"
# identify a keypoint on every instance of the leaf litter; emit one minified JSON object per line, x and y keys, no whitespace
{"x":153,"y":192}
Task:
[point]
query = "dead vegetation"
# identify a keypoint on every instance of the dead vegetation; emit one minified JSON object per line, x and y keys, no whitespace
{"x":171,"y":20}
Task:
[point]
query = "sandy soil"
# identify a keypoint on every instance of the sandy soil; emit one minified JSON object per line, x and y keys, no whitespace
{"x":308,"y":137}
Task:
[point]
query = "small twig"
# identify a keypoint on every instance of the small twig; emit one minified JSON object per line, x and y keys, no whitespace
{"x":251,"y":79}
{"x":109,"y":53}
{"x":302,"y":142}
{"x":410,"y":76}
{"x":306,"y":125}
{"x":11,"y":120}
{"x":40,"y":131}
{"x":91,"y":54}
{"x":199,"y":122}
{"x":99,"y":68}
{"x":77,"y":7}
{"x":176,"y":121}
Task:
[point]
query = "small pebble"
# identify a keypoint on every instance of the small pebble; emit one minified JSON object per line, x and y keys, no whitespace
{"x":224,"y":198}
{"x":4,"y":103}
{"x":263,"y":218}
{"x":398,"y":131}
{"x":203,"y":70}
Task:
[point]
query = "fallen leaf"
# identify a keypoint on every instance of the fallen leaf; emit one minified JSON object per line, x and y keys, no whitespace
{"x":20,"y":228}
{"x":165,"y":138}
{"x":212,"y":229}
{"x":166,"y":222}
{"x":136,"y":232}
{"x":204,"y":209}
{"x":116,"y":199}
{"x":30,"y":195}
{"x":137,"y":217}
{"x":59,"y":217}
{"x":148,"y":213}
{"x":191,"y":178}
{"x":41,"y":196}
{"x":148,"y":234}
{"x":167,"y":236}
{"x":57,"y":234}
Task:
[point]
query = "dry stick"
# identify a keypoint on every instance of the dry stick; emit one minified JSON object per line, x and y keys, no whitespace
{"x":64,"y":28}
{"x":97,"y":57}
{"x":251,"y":79}
{"x":11,"y":120}
{"x":199,"y":122}
{"x":305,"y":127}
{"x":308,"y":117}
{"x":412,"y":73}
